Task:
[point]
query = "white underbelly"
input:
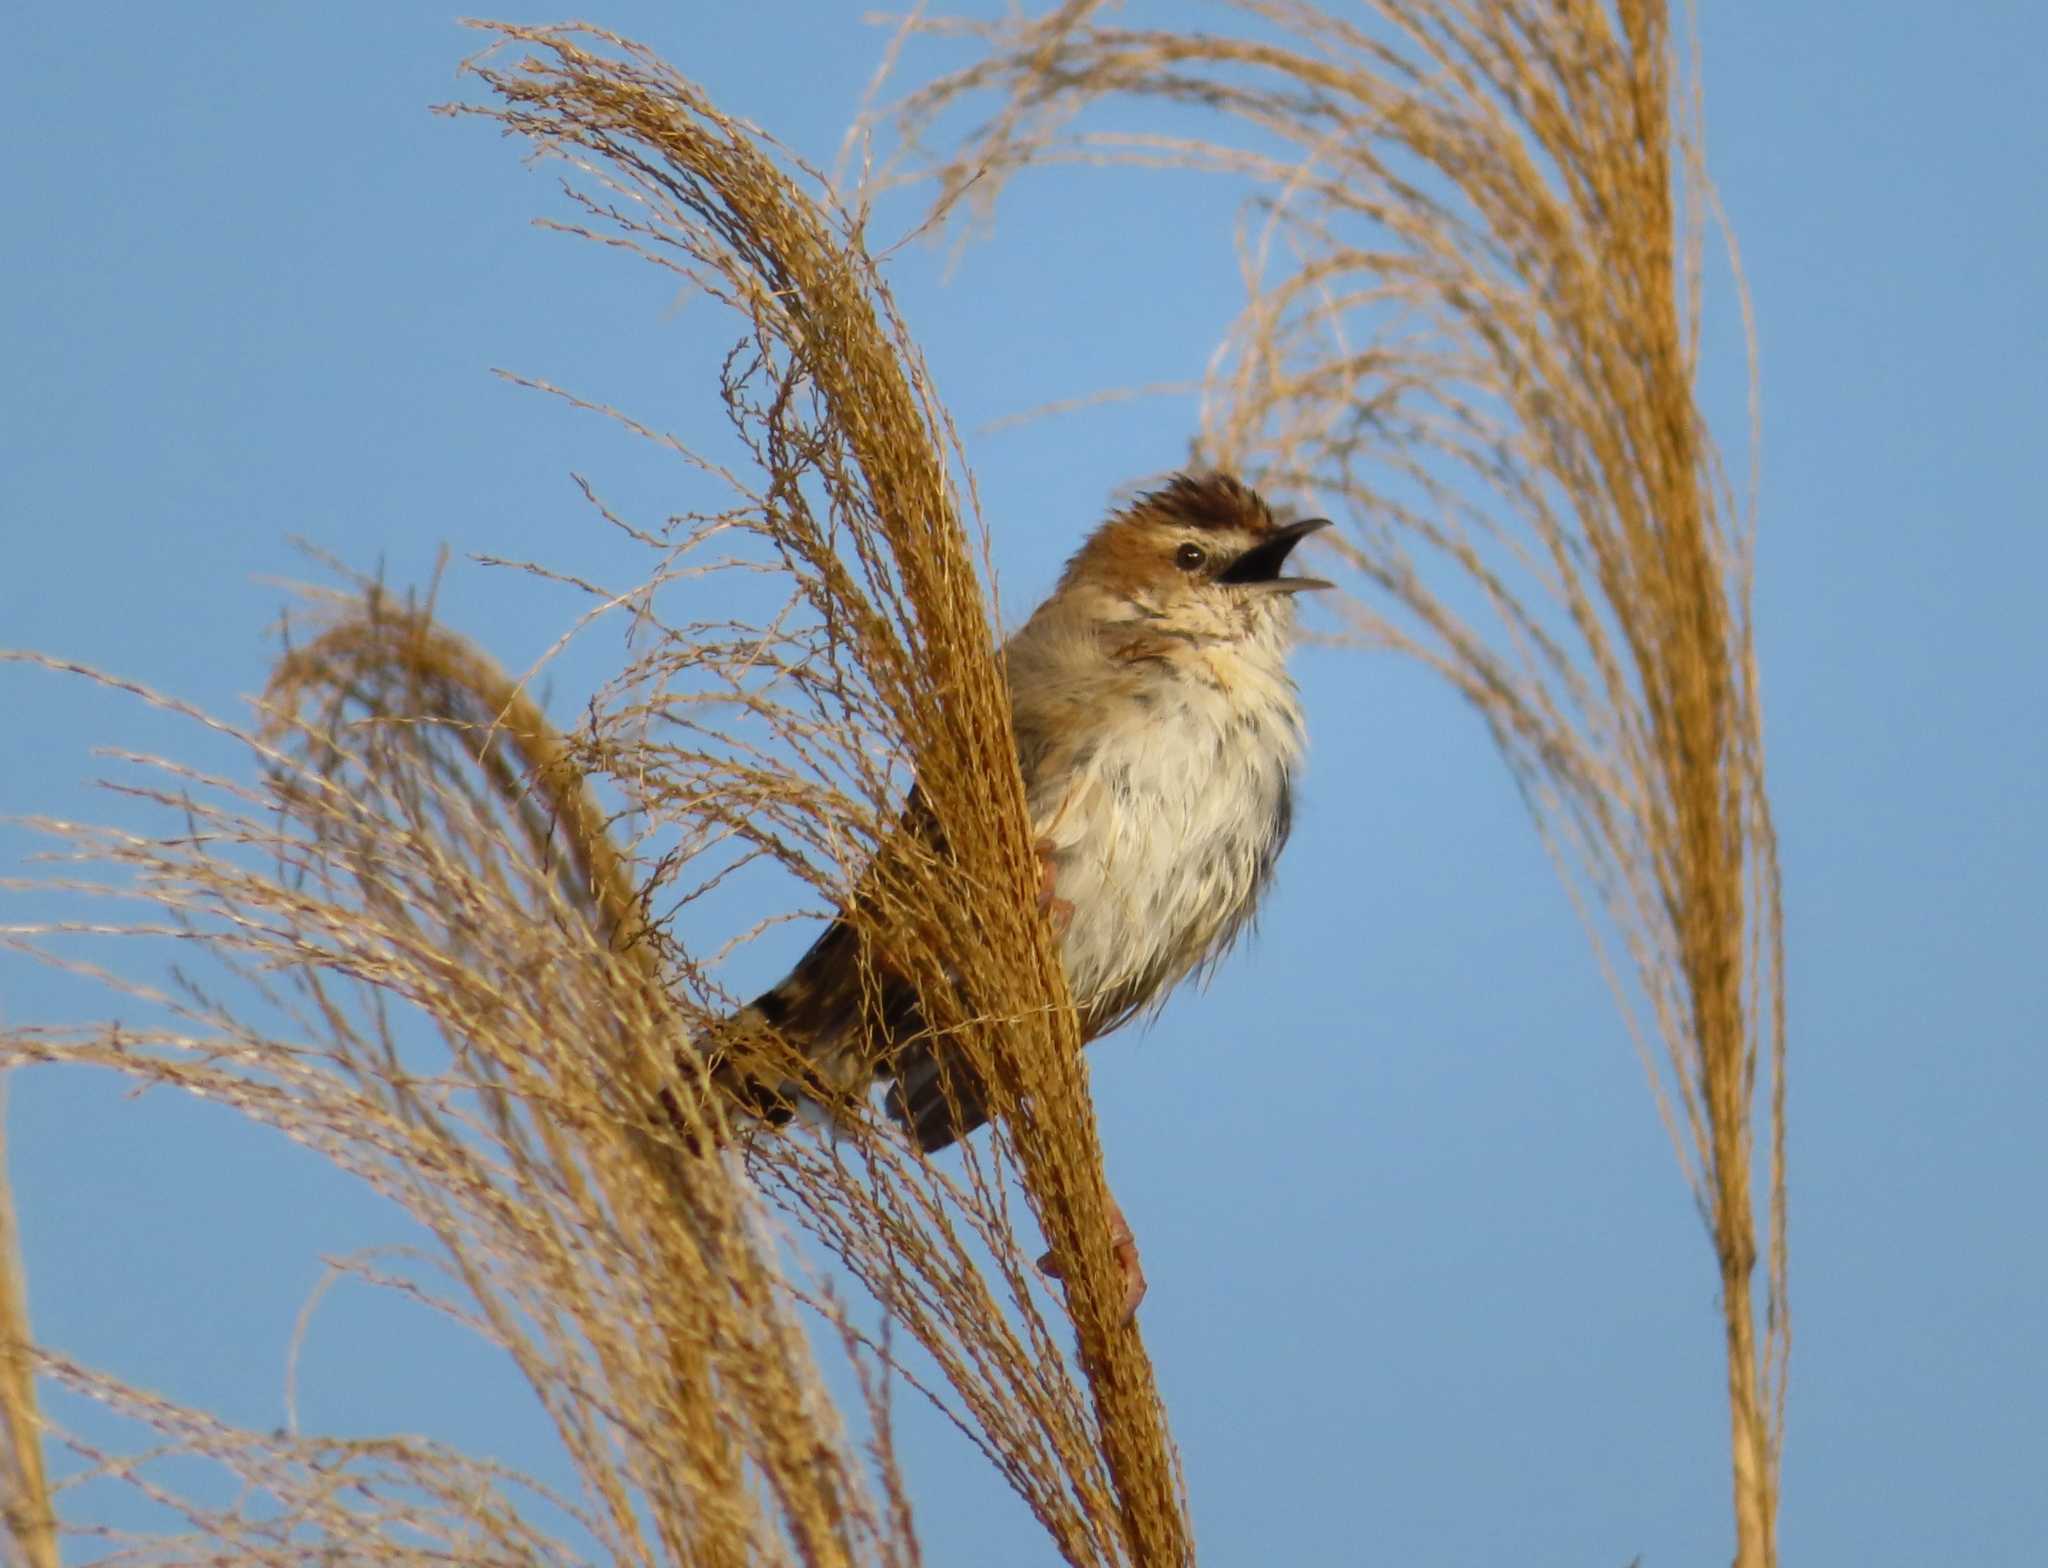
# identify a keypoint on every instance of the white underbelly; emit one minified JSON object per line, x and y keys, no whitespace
{"x":1163,"y":844}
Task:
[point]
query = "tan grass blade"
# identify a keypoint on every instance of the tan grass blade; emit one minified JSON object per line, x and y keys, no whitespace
{"x":31,"y":1524}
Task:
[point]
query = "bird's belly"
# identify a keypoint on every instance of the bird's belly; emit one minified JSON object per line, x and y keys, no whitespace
{"x":1160,"y":850}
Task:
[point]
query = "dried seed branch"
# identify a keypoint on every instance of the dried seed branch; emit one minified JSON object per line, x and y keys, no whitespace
{"x":370,"y":889}
{"x":1474,"y":257}
{"x":476,"y":960}
{"x":878,"y":668}
{"x":31,"y":1537}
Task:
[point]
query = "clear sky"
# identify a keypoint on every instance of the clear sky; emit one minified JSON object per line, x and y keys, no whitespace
{"x":1426,"y":1286}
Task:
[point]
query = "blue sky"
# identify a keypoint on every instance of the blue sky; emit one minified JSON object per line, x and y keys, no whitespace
{"x":1426,"y":1284}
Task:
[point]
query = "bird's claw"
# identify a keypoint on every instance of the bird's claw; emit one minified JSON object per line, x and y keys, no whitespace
{"x":1059,"y":911}
{"x":1125,"y":1246}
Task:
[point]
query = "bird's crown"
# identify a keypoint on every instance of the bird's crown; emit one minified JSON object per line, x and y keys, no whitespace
{"x":1218,"y":502}
{"x":1208,"y":533}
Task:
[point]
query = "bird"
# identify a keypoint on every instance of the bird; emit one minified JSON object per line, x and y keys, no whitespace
{"x":1158,"y":733}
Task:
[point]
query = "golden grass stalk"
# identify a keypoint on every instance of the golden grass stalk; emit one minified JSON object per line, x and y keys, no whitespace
{"x":473,"y":957}
{"x":368,"y":894}
{"x":31,"y":1524}
{"x":794,"y":738}
{"x":1474,"y":257}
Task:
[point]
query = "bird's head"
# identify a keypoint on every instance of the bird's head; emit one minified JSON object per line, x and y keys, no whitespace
{"x":1199,"y":558}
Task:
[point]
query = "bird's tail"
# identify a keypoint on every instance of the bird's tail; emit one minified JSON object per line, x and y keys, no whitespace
{"x":811,"y":1046}
{"x":937,"y":1097}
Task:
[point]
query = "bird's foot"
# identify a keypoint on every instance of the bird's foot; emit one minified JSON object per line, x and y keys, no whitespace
{"x":1059,"y":911}
{"x":1125,"y":1245}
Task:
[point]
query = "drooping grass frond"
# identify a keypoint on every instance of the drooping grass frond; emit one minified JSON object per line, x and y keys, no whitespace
{"x":476,"y":959}
{"x":793,"y":739}
{"x":369,"y":891}
{"x":31,"y":1524}
{"x":1475,"y":263}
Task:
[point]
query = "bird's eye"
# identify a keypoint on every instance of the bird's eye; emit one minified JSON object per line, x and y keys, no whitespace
{"x":1190,"y":557}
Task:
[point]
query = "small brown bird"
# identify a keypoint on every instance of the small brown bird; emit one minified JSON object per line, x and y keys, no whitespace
{"x":1158,"y":732}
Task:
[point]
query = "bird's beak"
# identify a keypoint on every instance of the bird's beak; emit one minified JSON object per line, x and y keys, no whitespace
{"x":1259,"y":567}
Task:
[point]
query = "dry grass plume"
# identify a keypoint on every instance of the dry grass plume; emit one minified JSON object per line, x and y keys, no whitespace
{"x":31,"y":1537}
{"x":1473,"y":249}
{"x":468,"y":962}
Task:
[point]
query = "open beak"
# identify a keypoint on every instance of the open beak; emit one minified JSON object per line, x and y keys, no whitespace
{"x":1259,"y":567}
